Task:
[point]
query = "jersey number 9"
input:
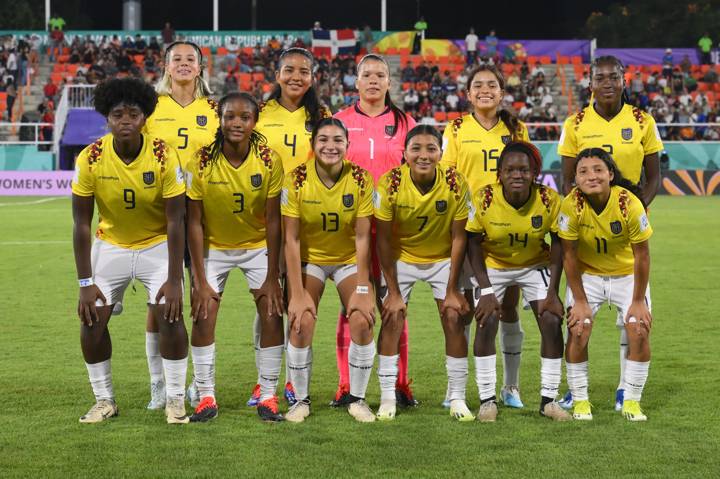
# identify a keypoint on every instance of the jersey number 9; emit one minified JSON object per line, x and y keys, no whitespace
{"x":129,"y":198}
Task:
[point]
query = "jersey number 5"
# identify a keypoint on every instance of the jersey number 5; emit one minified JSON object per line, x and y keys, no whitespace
{"x":182,"y":133}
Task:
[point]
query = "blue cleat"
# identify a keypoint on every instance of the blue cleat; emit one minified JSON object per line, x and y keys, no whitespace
{"x":567,"y":401}
{"x":290,"y":394}
{"x":254,"y":397}
{"x":619,"y":398}
{"x":510,"y":396}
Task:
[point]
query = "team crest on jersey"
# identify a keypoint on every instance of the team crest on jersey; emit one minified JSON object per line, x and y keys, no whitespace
{"x":308,"y":126}
{"x":626,"y":133}
{"x":390,"y":130}
{"x":536,"y":221}
{"x":201,"y":120}
{"x":256,"y":180}
{"x":441,"y":206}
{"x":616,"y":227}
{"x":505,"y":139}
{"x":348,"y":200}
{"x":149,"y":177}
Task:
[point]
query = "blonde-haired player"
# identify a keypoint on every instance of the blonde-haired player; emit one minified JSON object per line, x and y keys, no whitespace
{"x":420,"y":212}
{"x":605,"y":232}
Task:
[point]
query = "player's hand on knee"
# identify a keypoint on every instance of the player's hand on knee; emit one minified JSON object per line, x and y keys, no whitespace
{"x":394,"y":309}
{"x":363,"y":303}
{"x":638,"y":318}
{"x":172,"y":292}
{"x":87,"y":311}
{"x":551,"y":304}
{"x":454,"y":300}
{"x":300,"y":305}
{"x":487,"y":306}
{"x":200,"y":300}
{"x":579,"y":316}
{"x":272,"y":290}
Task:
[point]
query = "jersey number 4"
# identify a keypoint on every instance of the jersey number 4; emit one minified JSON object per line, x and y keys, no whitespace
{"x":291,"y":145}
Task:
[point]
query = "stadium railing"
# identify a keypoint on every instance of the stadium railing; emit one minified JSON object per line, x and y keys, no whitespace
{"x":29,"y":133}
{"x":73,"y":96}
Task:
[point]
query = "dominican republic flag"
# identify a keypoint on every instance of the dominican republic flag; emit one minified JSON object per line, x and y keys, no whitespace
{"x":330,"y":43}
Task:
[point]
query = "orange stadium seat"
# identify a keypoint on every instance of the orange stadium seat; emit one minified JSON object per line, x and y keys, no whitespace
{"x":222,"y":51}
{"x":422,"y":86}
{"x":391,"y":51}
{"x":63,"y":58}
{"x":407,"y":85}
{"x":518,"y":105}
{"x":246,"y":85}
{"x":545,"y":60}
{"x":452,"y":115}
{"x":72,"y":68}
{"x":703,"y":86}
{"x":431,"y":58}
{"x":440,"y":116}
{"x":716,"y":87}
{"x":244,"y":77}
{"x":576,"y":60}
{"x":139,"y":59}
{"x":258,"y":77}
{"x":56,"y":78}
{"x":205,"y":51}
{"x":563,"y":60}
{"x":404,"y":51}
{"x":532,"y":60}
{"x":444,"y":59}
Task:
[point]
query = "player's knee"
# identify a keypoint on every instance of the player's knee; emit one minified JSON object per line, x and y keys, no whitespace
{"x":392,"y":325}
{"x":550,"y":324}
{"x":453,"y":322}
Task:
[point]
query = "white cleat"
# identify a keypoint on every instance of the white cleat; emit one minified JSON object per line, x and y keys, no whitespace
{"x":387,"y":410}
{"x":555,"y":412}
{"x":175,"y":411}
{"x":488,"y":412}
{"x":298,"y":411}
{"x":101,"y":410}
{"x":361,"y":411}
{"x":157,"y":395}
{"x":460,"y":411}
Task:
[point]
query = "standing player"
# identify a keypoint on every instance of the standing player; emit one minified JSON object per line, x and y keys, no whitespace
{"x":472,"y":144}
{"x":421,"y":210}
{"x":605,"y":232}
{"x":287,"y":120}
{"x":234,"y":222}
{"x":628,"y":134}
{"x":138,"y":185}
{"x":186,"y":119}
{"x":326,"y":208}
{"x":508,"y":224}
{"x":377,"y":129}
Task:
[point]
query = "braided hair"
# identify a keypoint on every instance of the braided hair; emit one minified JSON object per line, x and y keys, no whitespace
{"x":256,"y":138}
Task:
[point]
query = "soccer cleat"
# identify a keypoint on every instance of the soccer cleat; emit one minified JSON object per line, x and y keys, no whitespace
{"x":404,"y":395}
{"x":510,"y":396}
{"x":175,"y":411}
{"x":387,"y":410}
{"x":555,"y":412}
{"x":619,"y":397}
{"x":488,"y":412}
{"x":342,"y":396}
{"x":632,"y":412}
{"x":157,"y":395}
{"x":567,"y":401}
{"x":207,"y":409}
{"x":193,"y":395}
{"x":582,"y":410}
{"x":101,"y":410}
{"x":445,"y":404}
{"x":290,"y":393}
{"x":254,"y":397}
{"x":298,"y":411}
{"x":460,"y":411}
{"x":268,"y":410}
{"x":361,"y":411}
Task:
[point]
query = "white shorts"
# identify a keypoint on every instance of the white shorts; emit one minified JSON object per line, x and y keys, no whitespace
{"x":435,"y":274}
{"x":533,"y":281}
{"x":114,"y":267}
{"x":336,"y":272}
{"x":219,"y":262}
{"x":614,"y":290}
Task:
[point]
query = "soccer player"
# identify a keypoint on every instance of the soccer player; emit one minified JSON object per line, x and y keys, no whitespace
{"x":508,"y":224}
{"x":606,"y":255}
{"x":234,"y":222}
{"x":628,"y":134}
{"x":137,"y":182}
{"x":326,"y":208}
{"x":377,"y":129}
{"x":287,"y":120}
{"x":420,"y":211}
{"x":472,"y":144}
{"x":186,"y":119}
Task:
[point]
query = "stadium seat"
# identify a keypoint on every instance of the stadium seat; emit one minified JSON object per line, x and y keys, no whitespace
{"x":139,"y":59}
{"x":72,"y":68}
{"x":416,"y":60}
{"x":576,"y":60}
{"x":716,"y":87}
{"x":563,"y":60}
{"x":440,"y":116}
{"x":205,"y":51}
{"x":222,"y":51}
{"x":391,"y":51}
{"x":246,"y":85}
{"x":244,"y":77}
{"x":531,"y":59}
{"x":703,"y":86}
{"x":545,"y":60}
{"x":407,"y":85}
{"x":404,"y":51}
{"x":56,"y":78}
{"x":258,"y":77}
{"x":445,"y":59}
{"x":452,"y":115}
{"x":431,"y":59}
{"x":518,"y":105}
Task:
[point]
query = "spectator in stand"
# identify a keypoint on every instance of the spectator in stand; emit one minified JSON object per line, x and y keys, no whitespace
{"x":685,"y":64}
{"x":140,"y":45}
{"x":411,"y":100}
{"x":491,"y":44}
{"x":154,"y":46}
{"x":50,"y":90}
{"x":11,"y":93}
{"x":471,"y":44}
{"x":230,"y":60}
{"x":367,"y":38}
{"x":452,"y":101}
{"x":349,"y":79}
{"x":667,"y":63}
{"x":287,"y":42}
{"x":636,"y":84}
{"x":56,"y":22}
{"x":230,"y":85}
{"x":57,"y":41}
{"x":47,"y":117}
{"x":11,"y":65}
{"x":128,"y":44}
{"x":408,"y":74}
{"x":584,"y":89}
{"x":705,"y":47}
{"x":168,"y":34}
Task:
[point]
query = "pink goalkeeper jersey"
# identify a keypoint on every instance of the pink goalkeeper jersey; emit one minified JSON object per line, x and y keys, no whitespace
{"x":372,"y":143}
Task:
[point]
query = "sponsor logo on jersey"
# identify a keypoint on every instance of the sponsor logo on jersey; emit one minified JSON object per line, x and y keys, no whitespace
{"x":149,"y":177}
{"x":441,"y":206}
{"x":505,"y":139}
{"x":256,"y":180}
{"x":616,"y":227}
{"x":536,"y":221}
{"x":201,"y":120}
{"x":390,"y":130}
{"x":626,"y":133}
{"x":348,"y":200}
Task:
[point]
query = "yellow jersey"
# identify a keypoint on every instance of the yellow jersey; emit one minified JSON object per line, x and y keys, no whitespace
{"x":604,"y":240}
{"x":234,"y":199}
{"x":187,"y":129}
{"x":474,"y":151}
{"x":327,"y":215}
{"x":629,"y":136}
{"x":514,"y":238}
{"x":421,"y":223}
{"x":287,"y":132}
{"x":130,"y":197}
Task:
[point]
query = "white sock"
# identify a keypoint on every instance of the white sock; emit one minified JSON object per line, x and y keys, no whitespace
{"x":154,"y":360}
{"x":636,"y":374}
{"x":550,"y":376}
{"x":486,"y":375}
{"x":287,"y":343}
{"x":175,"y":374}
{"x":203,"y":359}
{"x":623,"y":356}
{"x":299,"y":362}
{"x":511,"y":341}
{"x":387,"y":374}
{"x":360,"y":359}
{"x":101,"y":380}
{"x":577,"y":379}
{"x":457,"y":371}
{"x":270,"y":360}
{"x":256,"y":342}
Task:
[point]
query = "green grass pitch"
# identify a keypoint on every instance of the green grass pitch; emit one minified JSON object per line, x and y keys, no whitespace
{"x":44,"y":386}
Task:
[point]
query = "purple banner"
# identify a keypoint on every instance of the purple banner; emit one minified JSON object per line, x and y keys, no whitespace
{"x":537,"y":48}
{"x":648,"y":56}
{"x":35,"y":183}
